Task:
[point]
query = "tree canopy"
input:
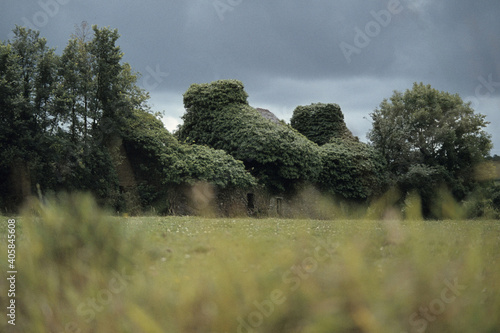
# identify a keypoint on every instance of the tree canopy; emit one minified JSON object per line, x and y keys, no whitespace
{"x":428,"y":137}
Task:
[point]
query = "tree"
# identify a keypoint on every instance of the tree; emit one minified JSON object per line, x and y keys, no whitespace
{"x":10,"y":109}
{"x":320,"y":122}
{"x":115,"y":88}
{"x":218,"y":115}
{"x":87,"y":86}
{"x":68,"y":92}
{"x":95,"y":93}
{"x":76,"y":88}
{"x":107,"y":56}
{"x":429,"y":137}
{"x":114,"y":99}
{"x":27,"y":77}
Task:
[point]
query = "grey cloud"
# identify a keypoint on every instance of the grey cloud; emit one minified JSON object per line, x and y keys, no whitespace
{"x":296,"y":44}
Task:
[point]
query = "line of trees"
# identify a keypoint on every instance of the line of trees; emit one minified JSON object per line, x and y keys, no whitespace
{"x":79,"y":122}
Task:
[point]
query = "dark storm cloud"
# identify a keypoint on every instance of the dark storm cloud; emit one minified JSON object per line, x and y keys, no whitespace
{"x":292,"y":52}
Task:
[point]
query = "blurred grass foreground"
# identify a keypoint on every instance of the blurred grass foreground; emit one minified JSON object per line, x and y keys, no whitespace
{"x":82,"y":270}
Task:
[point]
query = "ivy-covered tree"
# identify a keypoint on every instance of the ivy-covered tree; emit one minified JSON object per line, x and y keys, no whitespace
{"x":351,"y":170}
{"x":201,"y":163}
{"x":161,"y":162}
{"x":218,"y":115}
{"x":321,"y":123}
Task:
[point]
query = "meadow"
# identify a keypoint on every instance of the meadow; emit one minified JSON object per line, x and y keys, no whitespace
{"x":80,"y":269}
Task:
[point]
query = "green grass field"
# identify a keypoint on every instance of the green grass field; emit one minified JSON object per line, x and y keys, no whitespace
{"x":80,"y":270}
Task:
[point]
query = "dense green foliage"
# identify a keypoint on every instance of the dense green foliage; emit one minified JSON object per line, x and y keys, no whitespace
{"x":430,"y":138}
{"x":44,"y":140}
{"x":349,"y":169}
{"x":218,"y":115}
{"x":201,"y":163}
{"x":352,"y":170}
{"x":160,"y":162}
{"x":320,"y":122}
{"x":79,"y":122}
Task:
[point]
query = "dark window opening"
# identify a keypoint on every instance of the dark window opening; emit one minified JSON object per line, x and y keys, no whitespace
{"x":279,"y":206}
{"x":250,"y":201}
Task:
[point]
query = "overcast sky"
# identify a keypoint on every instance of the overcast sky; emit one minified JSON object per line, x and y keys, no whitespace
{"x":288,"y":52}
